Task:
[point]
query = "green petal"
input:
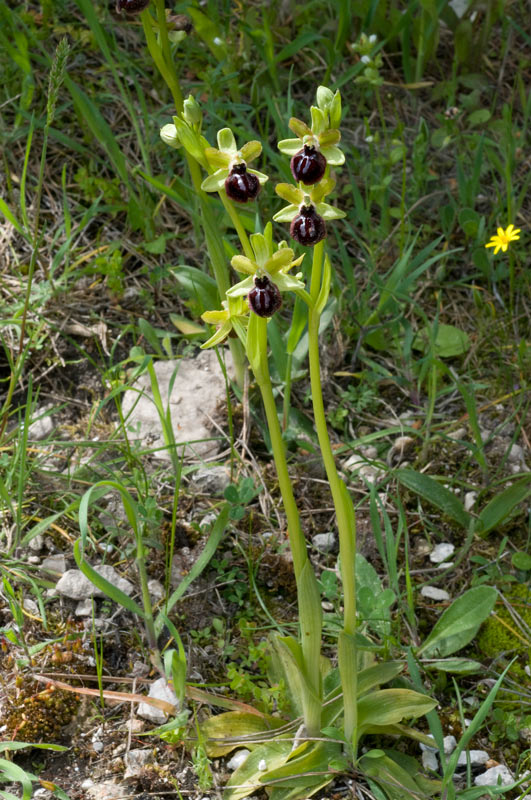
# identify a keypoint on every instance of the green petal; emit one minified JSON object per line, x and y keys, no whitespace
{"x":290,"y":193}
{"x":260,"y":247}
{"x":286,"y":214}
{"x":279,"y":260}
{"x":251,"y":150}
{"x":329,"y":212}
{"x":333,"y":155}
{"x":241,"y":288}
{"x":219,"y":336}
{"x":318,"y":121}
{"x":244,"y":264}
{"x":262,"y":177}
{"x":325,"y":97}
{"x":331,"y":136}
{"x":299,"y":127}
{"x":226,"y":141}
{"x":289,"y":146}
{"x":216,"y":158}
{"x":216,"y":181}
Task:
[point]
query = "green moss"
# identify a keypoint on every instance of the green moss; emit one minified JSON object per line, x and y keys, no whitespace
{"x":495,"y":637}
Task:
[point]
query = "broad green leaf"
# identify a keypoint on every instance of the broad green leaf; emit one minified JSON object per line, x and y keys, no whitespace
{"x":378,"y":674}
{"x":502,"y":505}
{"x":238,"y":726}
{"x":521,"y":560}
{"x":435,"y":493}
{"x":450,"y":341}
{"x":460,"y":622}
{"x":12,"y":772}
{"x":396,"y":782}
{"x":389,"y":706}
{"x":305,"y":769}
{"x":247,"y":778}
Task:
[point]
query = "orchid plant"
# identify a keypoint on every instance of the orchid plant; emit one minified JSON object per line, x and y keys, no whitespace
{"x":333,"y":706}
{"x":334,"y":701}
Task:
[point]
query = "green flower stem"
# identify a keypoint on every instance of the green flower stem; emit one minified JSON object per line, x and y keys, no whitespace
{"x":163,"y":60}
{"x":343,"y":506}
{"x":238,"y":226}
{"x":310,"y":613}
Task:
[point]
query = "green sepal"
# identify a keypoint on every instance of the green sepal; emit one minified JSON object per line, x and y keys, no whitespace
{"x":218,"y":336}
{"x":262,"y":177}
{"x":329,"y":212}
{"x":335,"y":110}
{"x":216,"y":158}
{"x":260,"y":248}
{"x":289,"y":146}
{"x":325,"y":97}
{"x":318,"y":121}
{"x":333,"y":155}
{"x":241,"y":288}
{"x":215,"y":182}
{"x":227,"y":142}
{"x":286,"y":214}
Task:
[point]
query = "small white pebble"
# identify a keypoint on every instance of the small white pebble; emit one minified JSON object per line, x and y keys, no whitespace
{"x":430,"y":760}
{"x":491,"y":776}
{"x":450,"y":743}
{"x":262,"y":765}
{"x":460,"y":433}
{"x":237,"y":759}
{"x":433,"y":593}
{"x":441,"y":552}
{"x":470,"y":500}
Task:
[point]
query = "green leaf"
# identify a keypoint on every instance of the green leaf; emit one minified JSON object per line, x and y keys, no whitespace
{"x":247,"y":778}
{"x":396,"y":782}
{"x":227,"y":731}
{"x":435,"y":493}
{"x":521,"y":560}
{"x":449,"y":341}
{"x":461,"y":666}
{"x":112,"y":591}
{"x":460,"y":622}
{"x":479,"y":117}
{"x":502,"y":505}
{"x":389,"y":706}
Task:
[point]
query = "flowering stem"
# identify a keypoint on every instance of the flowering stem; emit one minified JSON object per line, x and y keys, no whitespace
{"x":238,"y":226}
{"x":310,"y":614}
{"x":163,"y":60}
{"x":343,"y":506}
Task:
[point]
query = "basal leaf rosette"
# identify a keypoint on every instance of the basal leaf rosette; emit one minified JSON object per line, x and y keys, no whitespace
{"x":233,"y":316}
{"x":228,"y":161}
{"x":323,"y":135}
{"x":270,"y":263}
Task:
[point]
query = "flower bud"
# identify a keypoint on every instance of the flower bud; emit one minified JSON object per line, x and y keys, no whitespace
{"x":131,"y":6}
{"x":265,"y":298}
{"x":308,"y":165}
{"x":241,"y":186}
{"x":308,"y":228}
{"x":192,"y":111}
{"x":169,"y":135}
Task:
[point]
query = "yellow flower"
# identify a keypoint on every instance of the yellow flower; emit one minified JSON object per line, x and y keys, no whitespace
{"x":503,"y":238}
